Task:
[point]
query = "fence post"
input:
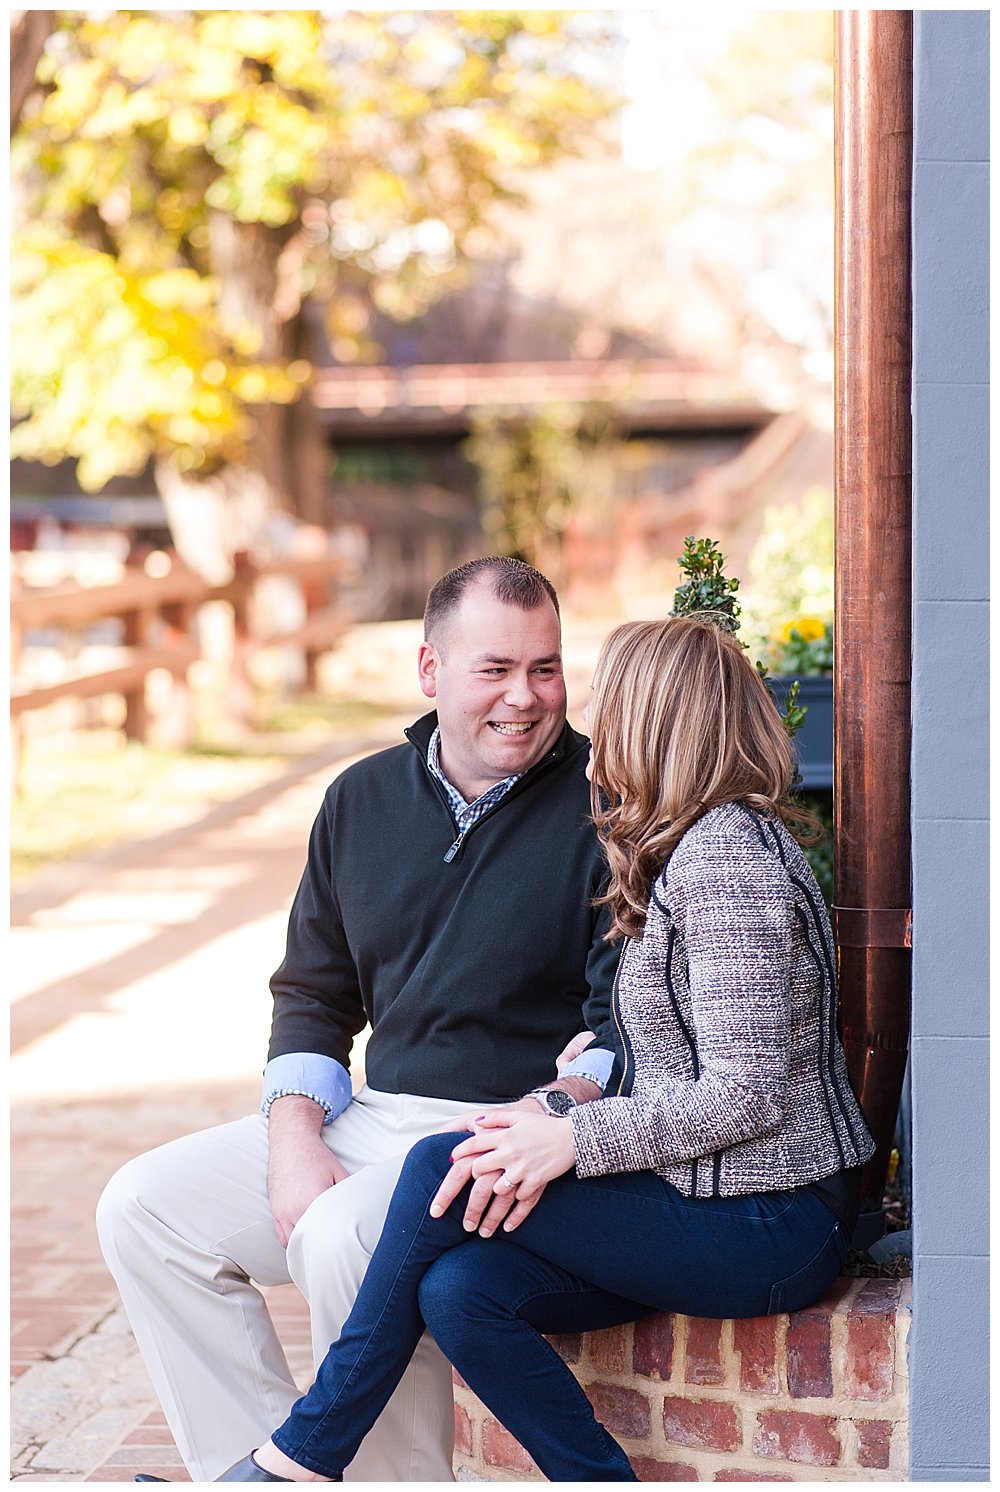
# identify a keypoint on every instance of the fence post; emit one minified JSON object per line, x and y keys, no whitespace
{"x":311,"y":542}
{"x":241,"y":704}
{"x":177,"y":723}
{"x":314,"y":596}
{"x":16,"y":724}
{"x":137,"y":626}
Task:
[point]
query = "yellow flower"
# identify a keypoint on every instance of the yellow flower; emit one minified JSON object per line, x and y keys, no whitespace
{"x":809,"y":628}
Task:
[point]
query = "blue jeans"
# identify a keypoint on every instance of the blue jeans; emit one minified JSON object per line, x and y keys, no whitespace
{"x":593,"y":1253}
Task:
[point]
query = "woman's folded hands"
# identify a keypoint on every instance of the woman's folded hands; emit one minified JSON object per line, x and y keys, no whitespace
{"x":511,"y":1156}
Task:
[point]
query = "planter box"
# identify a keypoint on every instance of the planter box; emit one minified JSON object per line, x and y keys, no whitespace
{"x":814,"y":742}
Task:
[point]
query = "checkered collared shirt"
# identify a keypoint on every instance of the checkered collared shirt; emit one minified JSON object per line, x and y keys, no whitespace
{"x":466,"y":814}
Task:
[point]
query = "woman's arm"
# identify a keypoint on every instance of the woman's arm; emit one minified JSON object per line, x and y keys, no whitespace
{"x":731,"y":901}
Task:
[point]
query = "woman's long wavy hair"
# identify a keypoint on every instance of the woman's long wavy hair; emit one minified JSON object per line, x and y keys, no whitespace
{"x":681,"y":722}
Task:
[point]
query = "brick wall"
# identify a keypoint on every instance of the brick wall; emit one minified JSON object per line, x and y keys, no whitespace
{"x":820,"y":1395}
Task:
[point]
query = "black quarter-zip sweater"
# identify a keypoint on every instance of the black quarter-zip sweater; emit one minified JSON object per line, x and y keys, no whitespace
{"x":475,"y":971}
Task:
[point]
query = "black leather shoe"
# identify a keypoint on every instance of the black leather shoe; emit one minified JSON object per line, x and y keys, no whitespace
{"x":247,"y":1470}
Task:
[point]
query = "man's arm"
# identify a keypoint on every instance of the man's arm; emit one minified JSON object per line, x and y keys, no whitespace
{"x":302,"y":1092}
{"x":602,"y":1058}
{"x":596,"y":1063}
{"x":317,"y":1000}
{"x":317,"y":1012}
{"x":309,"y":1075}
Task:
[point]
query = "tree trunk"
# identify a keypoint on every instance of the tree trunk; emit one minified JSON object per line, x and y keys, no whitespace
{"x":246,"y":259}
{"x":213,"y":518}
{"x":29,"y":31}
{"x":307,"y":440}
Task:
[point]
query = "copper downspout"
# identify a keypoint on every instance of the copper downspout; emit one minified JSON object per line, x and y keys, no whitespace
{"x":874,"y":135}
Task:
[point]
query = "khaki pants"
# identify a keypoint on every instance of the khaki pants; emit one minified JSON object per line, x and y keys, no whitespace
{"x":186,"y":1228}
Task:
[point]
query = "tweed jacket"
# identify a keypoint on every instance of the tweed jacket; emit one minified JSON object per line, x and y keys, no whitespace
{"x":735,"y":1079}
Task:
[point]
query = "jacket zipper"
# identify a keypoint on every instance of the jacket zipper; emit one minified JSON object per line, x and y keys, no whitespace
{"x":626,"y":1044}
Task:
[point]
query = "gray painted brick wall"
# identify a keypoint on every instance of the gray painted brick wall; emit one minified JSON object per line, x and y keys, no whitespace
{"x":949,"y":1368}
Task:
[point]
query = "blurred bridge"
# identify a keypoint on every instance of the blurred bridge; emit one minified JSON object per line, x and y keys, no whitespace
{"x":440,"y":398}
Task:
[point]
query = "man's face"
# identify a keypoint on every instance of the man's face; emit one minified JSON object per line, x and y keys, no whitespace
{"x":495,"y":674}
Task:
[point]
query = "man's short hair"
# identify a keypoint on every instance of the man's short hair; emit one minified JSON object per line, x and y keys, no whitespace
{"x":514,"y":583}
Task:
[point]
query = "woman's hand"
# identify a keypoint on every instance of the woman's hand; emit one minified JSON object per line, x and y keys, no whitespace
{"x":572,"y":1050}
{"x":513,"y":1154}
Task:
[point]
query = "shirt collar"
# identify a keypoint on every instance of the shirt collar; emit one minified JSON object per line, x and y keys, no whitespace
{"x":455,"y":797}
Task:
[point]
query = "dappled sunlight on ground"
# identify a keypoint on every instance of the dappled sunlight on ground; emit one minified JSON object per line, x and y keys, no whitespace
{"x":82,"y":789}
{"x":156,"y":970}
{"x":69,"y":951}
{"x":199,"y":1018}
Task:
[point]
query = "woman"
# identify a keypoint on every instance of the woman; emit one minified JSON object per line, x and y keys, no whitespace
{"x":721,"y":1180}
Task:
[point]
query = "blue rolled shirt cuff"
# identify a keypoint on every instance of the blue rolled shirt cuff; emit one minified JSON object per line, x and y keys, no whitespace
{"x":307,"y":1075}
{"x":593,"y":1065}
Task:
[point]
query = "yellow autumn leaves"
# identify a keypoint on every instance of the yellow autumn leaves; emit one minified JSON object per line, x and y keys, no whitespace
{"x":189,"y":178}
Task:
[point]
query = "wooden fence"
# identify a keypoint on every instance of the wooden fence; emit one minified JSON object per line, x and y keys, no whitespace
{"x":159,"y":617}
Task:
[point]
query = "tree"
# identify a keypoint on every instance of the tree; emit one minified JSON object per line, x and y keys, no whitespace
{"x":194,"y":179}
{"x":29,"y":31}
{"x":537,"y":471}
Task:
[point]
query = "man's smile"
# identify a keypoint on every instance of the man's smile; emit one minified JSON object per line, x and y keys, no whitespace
{"x":511,"y":727}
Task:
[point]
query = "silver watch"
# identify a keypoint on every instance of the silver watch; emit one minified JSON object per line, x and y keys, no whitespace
{"x":555,"y":1101}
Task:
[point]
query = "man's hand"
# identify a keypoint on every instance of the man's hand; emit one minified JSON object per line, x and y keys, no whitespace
{"x":300,"y":1166}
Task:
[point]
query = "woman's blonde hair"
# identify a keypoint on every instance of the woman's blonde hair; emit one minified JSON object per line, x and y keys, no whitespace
{"x":681,"y":722}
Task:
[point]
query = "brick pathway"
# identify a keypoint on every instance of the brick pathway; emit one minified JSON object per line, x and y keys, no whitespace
{"x":116,"y":964}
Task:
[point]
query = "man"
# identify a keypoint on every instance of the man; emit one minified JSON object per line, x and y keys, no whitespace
{"x":447,"y":899}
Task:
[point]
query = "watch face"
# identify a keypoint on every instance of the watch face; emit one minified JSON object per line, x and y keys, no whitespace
{"x":559,"y":1103}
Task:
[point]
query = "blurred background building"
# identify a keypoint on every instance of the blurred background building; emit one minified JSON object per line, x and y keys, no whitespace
{"x":619,"y":335}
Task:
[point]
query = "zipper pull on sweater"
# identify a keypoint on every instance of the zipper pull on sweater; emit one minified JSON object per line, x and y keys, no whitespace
{"x":453,"y":850}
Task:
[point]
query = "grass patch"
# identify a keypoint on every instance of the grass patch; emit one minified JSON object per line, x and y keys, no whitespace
{"x":82,"y":790}
{"x":319,"y":715}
